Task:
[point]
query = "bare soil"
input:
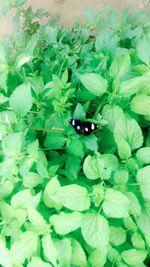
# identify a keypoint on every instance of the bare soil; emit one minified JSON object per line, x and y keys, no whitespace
{"x":68,"y":10}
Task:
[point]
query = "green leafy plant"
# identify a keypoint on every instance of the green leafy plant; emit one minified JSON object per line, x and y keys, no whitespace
{"x":66,"y":199}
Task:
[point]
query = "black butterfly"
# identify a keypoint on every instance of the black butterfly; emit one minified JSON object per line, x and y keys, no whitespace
{"x":83,"y":127}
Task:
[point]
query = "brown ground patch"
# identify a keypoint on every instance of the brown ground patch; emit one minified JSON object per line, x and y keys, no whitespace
{"x":67,"y":10}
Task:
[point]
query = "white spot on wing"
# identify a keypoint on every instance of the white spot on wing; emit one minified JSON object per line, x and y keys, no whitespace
{"x":92,"y":126}
{"x":86,"y":129}
{"x":73,"y":122}
{"x":78,"y":127}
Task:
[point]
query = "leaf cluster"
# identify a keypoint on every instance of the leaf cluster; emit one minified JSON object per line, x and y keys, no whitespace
{"x":65,"y":199}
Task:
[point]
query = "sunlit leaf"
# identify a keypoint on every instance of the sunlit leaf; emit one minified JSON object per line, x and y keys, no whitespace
{"x":111,"y":207}
{"x":95,"y":230}
{"x":143,"y":178}
{"x":24,"y":247}
{"x":94,"y":83}
{"x":50,"y":191}
{"x":21,"y":99}
{"x":5,"y":259}
{"x":36,"y":261}
{"x":49,"y":249}
{"x":73,"y":197}
{"x":133,"y":256}
{"x":65,"y":223}
{"x":64,"y":251}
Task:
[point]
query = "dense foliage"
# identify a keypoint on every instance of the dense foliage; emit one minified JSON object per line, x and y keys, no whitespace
{"x":68,"y":199}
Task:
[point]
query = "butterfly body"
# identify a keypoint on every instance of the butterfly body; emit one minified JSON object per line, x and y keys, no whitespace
{"x":83,"y":127}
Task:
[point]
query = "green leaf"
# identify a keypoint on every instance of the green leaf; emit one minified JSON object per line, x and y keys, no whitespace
{"x":36,"y":261}
{"x":120,"y":66}
{"x":10,"y":213}
{"x":42,"y":164}
{"x":52,"y":187}
{"x":12,"y":230}
{"x":5,"y":259}
{"x":3,"y":99}
{"x":121,"y":264}
{"x":79,"y":112}
{"x":65,"y":223}
{"x":37,"y":221}
{"x":41,"y":169}
{"x":51,"y":34}
{"x":142,"y":48}
{"x":110,"y":204}
{"x":121,"y":176}
{"x":32,"y":179}
{"x":24,"y":199}
{"x":73,"y":197}
{"x":124,"y":150}
{"x":128,"y":136}
{"x":79,"y":196}
{"x":83,"y":93}
{"x":64,"y":77}
{"x":64,"y":250}
{"x":141,"y":104}
{"x":130,"y":224}
{"x":143,"y":222}
{"x":21,"y":100}
{"x":143,"y":178}
{"x":138,"y":241}
{"x":27,"y":54}
{"x":21,"y":198}
{"x":134,"y":85}
{"x":133,"y":256}
{"x":117,"y":235}
{"x":90,"y":142}
{"x":78,"y":255}
{"x":106,"y":42}
{"x":98,"y":194}
{"x":6,"y":189}
{"x":25,"y":166}
{"x":113,"y":254}
{"x":134,"y":132}
{"x":97,"y":258}
{"x":99,"y":166}
{"x":132,"y":165}
{"x":72,"y":167}
{"x":94,"y":83}
{"x":107,"y":164}
{"x":22,"y":59}
{"x":33,"y":149}
{"x":135,"y":207}
{"x":75,"y":147}
{"x":90,"y":167}
{"x":143,"y":155}
{"x":49,"y":249}
{"x":95,"y":230}
{"x":21,"y":215}
{"x":112,"y":113}
{"x":24,"y":247}
{"x":55,"y":140}
{"x":12,"y":144}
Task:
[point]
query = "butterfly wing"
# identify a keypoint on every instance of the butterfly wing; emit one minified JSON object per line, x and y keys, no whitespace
{"x":89,"y":127}
{"x":82,"y":127}
{"x":77,"y":125}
